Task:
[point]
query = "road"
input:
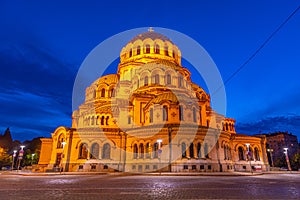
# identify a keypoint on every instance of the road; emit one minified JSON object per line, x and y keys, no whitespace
{"x":268,"y":186}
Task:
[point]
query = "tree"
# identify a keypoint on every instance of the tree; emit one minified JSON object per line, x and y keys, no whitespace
{"x":5,"y":158}
{"x":295,"y":161}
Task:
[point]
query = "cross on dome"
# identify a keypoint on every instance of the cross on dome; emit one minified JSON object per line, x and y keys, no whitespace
{"x":150,"y":29}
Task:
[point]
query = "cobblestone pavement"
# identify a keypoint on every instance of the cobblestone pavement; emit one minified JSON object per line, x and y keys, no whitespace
{"x":268,"y":186}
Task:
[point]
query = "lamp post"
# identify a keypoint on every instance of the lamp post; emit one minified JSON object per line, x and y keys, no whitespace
{"x":32,"y":155}
{"x":170,"y":148}
{"x":13,"y":159}
{"x":287,"y":158}
{"x":20,"y":157}
{"x":62,"y":156}
{"x":159,"y":141}
{"x":249,"y":156}
{"x":271,"y":151}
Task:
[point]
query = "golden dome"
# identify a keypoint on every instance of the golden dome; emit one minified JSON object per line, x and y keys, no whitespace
{"x":149,"y":46}
{"x":152,"y":35}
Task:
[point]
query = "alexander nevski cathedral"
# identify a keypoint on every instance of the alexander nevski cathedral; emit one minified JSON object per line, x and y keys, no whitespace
{"x":150,"y":117}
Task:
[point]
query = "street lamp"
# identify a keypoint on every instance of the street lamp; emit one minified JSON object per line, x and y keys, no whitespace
{"x":287,"y":158}
{"x":20,"y":157}
{"x":32,"y":155}
{"x":170,"y":148}
{"x":159,"y":141}
{"x":249,"y":156}
{"x":62,"y":156}
{"x":13,"y":159}
{"x":271,"y":151}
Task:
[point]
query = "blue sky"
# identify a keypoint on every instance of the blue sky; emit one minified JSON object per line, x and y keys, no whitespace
{"x":42,"y":45}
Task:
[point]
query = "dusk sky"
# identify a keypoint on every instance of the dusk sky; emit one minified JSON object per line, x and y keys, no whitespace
{"x":42,"y":46}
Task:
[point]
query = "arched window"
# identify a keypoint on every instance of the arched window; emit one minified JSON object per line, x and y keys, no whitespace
{"x":146,"y":81}
{"x":181,"y":118}
{"x":83,"y":151}
{"x":106,"y":120}
{"x":180,"y":81}
{"x":129,"y":119}
{"x":112,"y":92}
{"x":226,"y":125}
{"x":206,"y":150}
{"x":165,"y":113}
{"x":97,"y":120}
{"x":138,"y":50}
{"x":130,"y":53}
{"x":256,"y":154}
{"x":229,"y":153}
{"x":106,"y":151}
{"x":151,"y":115}
{"x":157,"y":50}
{"x":156,"y":79}
{"x":166,"y":51}
{"x":200,"y":115}
{"x":135,"y":151}
{"x":94,"y":94}
{"x":92,"y":120}
{"x":94,"y":151}
{"x":103,"y":92}
{"x":147,"y":48}
{"x":141,"y":147}
{"x":225,"y":152}
{"x":250,"y":154}
{"x":168,"y":79}
{"x":183,"y":150}
{"x":199,"y":150}
{"x":148,"y":148}
{"x":60,"y":141}
{"x":155,"y":150}
{"x":241,"y":153}
{"x":102,"y":120}
{"x":191,"y":150}
{"x":174,"y":54}
{"x":194,"y":115}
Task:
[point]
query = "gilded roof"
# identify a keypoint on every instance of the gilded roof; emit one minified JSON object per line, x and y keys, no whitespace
{"x":166,"y":63}
{"x":169,"y":96}
{"x":108,"y":79}
{"x":152,"y":35}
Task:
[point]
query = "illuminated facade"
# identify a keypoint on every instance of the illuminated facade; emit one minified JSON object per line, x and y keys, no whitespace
{"x":150,"y":116}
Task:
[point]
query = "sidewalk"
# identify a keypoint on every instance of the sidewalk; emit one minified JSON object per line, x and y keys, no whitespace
{"x":28,"y":173}
{"x":24,"y":173}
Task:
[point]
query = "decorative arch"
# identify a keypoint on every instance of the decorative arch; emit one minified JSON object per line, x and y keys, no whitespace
{"x":60,"y":140}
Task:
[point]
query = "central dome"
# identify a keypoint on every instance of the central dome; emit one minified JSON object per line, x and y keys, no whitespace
{"x":150,"y":46}
{"x":152,"y":35}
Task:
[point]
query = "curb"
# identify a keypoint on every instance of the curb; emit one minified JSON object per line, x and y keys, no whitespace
{"x":134,"y":174}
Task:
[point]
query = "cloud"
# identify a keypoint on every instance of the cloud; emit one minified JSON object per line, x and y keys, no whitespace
{"x":35,"y":91}
{"x":290,"y":123}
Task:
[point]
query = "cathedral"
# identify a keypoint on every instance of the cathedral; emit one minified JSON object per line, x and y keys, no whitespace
{"x":150,"y":117}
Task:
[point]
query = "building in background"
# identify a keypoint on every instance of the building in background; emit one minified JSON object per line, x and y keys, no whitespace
{"x":276,"y":142}
{"x":150,"y":116}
